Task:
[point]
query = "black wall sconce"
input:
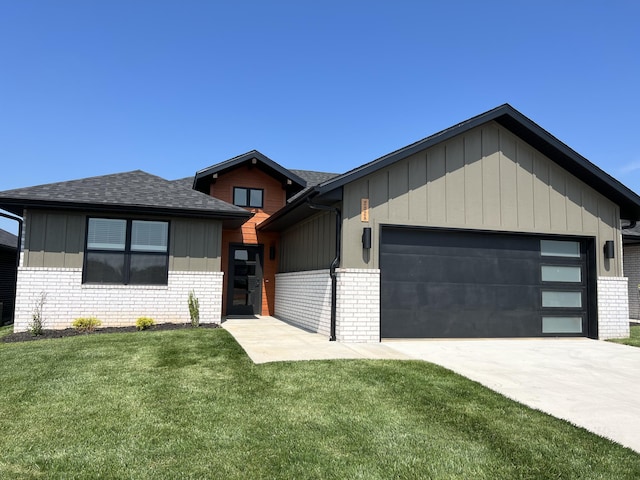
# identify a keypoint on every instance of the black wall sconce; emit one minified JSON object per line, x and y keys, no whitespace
{"x":366,"y":238}
{"x":609,"y":249}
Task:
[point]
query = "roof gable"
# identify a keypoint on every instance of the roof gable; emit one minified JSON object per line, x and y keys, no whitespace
{"x":131,"y":191}
{"x":530,"y":132}
{"x":203,"y":177}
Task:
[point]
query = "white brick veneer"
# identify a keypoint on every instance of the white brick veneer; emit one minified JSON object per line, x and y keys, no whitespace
{"x":358,"y":305}
{"x":632,"y":272}
{"x":114,"y":305}
{"x":304,"y":299}
{"x":613,"y":307}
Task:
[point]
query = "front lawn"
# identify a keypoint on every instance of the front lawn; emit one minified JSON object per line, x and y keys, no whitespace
{"x":190,"y":404}
{"x":634,"y":337}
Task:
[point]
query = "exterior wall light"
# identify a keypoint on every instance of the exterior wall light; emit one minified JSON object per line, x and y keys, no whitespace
{"x":609,"y":249}
{"x":366,"y":238}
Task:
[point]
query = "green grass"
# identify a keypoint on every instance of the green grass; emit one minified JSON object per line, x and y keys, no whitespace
{"x":633,"y":340}
{"x":190,"y":404}
{"x":6,"y":330}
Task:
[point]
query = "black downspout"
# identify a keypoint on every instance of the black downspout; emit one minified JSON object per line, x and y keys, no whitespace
{"x":18,"y":250}
{"x":334,"y":264}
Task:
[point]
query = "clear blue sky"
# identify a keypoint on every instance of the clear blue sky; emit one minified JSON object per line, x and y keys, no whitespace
{"x":170,"y":87}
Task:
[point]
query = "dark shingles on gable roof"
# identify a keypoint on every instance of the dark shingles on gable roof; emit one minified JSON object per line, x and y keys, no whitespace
{"x":186,"y":182}
{"x":8,"y":239}
{"x":136,"y":190}
{"x":314,"y":178}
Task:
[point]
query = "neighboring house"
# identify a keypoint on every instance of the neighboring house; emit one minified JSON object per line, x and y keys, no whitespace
{"x":491,"y":228}
{"x":631,"y":263}
{"x":8,"y":266}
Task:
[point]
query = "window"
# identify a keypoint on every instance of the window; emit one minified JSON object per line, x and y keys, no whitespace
{"x":121,"y":251}
{"x":247,"y":197}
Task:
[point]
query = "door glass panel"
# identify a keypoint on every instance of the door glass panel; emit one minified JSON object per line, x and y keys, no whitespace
{"x":241,"y":255}
{"x":555,"y":273}
{"x":561,"y":324}
{"x":559,"y":248}
{"x":562,"y":299}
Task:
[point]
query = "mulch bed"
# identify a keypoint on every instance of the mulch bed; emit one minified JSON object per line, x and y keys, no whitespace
{"x":72,"y":332}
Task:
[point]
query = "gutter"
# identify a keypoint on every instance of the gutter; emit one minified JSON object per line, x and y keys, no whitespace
{"x":334,"y":264}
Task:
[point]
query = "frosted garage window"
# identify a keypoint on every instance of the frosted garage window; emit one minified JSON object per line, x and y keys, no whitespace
{"x":561,"y":324}
{"x":559,"y":248}
{"x":561,"y":299}
{"x":555,"y":273}
{"x":106,"y":234}
{"x":149,"y":236}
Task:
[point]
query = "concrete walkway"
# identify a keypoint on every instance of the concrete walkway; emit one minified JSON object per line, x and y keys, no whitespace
{"x":266,"y":339}
{"x":593,"y":384}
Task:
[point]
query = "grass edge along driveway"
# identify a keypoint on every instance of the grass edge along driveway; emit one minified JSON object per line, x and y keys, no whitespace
{"x":190,"y":404}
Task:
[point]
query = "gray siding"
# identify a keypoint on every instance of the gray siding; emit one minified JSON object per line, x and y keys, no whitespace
{"x":195,"y":245}
{"x":309,"y":245}
{"x":55,"y":239}
{"x":484,"y":179}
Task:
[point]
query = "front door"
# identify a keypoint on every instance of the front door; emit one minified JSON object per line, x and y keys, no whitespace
{"x":244,"y":290}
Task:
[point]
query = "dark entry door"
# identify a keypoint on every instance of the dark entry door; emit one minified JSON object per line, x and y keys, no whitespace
{"x":244,"y":292}
{"x":438,"y":283}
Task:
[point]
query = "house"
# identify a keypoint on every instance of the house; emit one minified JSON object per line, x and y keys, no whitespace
{"x":631,"y":263}
{"x":491,"y":228}
{"x":8,"y":255}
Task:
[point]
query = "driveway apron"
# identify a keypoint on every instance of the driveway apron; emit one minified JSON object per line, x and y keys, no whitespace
{"x":590,"y":383}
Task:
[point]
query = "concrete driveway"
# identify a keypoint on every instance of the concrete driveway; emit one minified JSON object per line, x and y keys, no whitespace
{"x":590,"y":383}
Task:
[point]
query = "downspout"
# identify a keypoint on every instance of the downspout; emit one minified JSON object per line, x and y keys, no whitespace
{"x":18,"y":250}
{"x":334,"y":264}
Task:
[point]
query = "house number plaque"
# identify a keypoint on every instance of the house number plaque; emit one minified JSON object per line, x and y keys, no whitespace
{"x":364,"y":210}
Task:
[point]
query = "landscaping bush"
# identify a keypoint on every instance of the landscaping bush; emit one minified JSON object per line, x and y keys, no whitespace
{"x":194,"y":309}
{"x":144,"y":323}
{"x":86,"y":324}
{"x":36,"y":325}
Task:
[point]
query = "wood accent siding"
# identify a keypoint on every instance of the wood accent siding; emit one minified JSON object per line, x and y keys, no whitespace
{"x":309,"y":245}
{"x":484,"y":179}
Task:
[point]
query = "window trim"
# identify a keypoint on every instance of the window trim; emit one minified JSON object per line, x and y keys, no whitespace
{"x":127,"y":252}
{"x":248,"y":191}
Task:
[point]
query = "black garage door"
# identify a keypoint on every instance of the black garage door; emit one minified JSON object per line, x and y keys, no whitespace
{"x":460,"y":284}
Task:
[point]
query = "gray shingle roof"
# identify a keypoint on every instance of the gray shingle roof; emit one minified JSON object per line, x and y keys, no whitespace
{"x":8,"y":239}
{"x":314,"y":178}
{"x":186,"y":182}
{"x":136,"y":190}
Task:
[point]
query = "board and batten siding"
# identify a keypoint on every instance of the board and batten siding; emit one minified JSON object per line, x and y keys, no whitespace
{"x":56,"y":239}
{"x":486,"y":178}
{"x":309,"y":245}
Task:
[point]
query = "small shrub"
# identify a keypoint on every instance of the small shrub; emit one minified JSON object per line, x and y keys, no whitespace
{"x":145,"y":322}
{"x":86,"y":324}
{"x":194,"y":309}
{"x":37,"y":320}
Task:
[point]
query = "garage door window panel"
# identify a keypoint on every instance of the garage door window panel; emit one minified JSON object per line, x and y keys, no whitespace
{"x":561,"y":273}
{"x":562,"y":324}
{"x":561,"y":299}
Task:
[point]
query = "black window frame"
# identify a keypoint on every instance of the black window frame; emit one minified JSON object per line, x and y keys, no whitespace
{"x":248,"y":191}
{"x":127,"y":252}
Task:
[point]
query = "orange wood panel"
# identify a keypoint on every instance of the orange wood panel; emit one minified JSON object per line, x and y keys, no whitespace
{"x":274,"y":198}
